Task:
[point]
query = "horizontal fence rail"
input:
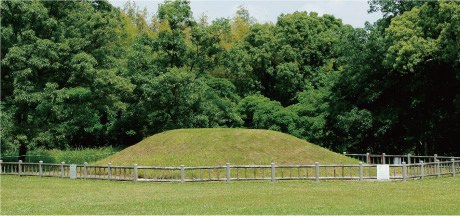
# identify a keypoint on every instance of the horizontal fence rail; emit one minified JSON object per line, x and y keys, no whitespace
{"x":230,"y":172}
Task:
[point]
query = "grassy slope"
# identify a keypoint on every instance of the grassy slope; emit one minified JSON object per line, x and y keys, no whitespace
{"x":210,"y":147}
{"x":54,"y":196}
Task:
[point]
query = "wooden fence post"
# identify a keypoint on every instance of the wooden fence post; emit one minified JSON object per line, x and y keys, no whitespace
{"x":135,"y":173}
{"x":408,"y":159}
{"x":435,"y":157}
{"x":437,"y":169}
{"x":404,"y":171}
{"x":228,"y":172}
{"x":62,"y":169}
{"x":85,"y":170}
{"x":40,"y":168}
{"x":316,"y":172}
{"x":422,"y":171}
{"x":273,"y":172}
{"x":453,"y":167}
{"x":109,"y":171}
{"x":368,"y":158}
{"x":182,"y":173}
{"x":19,"y":167}
{"x":360,"y":171}
{"x":1,"y":168}
{"x":383,"y":158}
{"x":344,"y":153}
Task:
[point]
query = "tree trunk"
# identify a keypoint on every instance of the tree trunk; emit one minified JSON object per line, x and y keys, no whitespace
{"x":22,"y":118}
{"x":22,"y":152}
{"x":425,"y":147}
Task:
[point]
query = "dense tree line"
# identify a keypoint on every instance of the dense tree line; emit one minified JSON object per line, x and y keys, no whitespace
{"x":84,"y":74}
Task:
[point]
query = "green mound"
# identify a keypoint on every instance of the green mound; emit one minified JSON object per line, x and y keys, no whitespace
{"x":214,"y":147}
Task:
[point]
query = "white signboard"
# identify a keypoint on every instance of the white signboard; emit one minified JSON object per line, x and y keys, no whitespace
{"x":73,"y":171}
{"x":383,"y":172}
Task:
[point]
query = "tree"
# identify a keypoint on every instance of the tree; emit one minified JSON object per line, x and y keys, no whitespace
{"x":403,"y":84}
{"x":59,"y":63}
{"x":177,"y":16}
{"x":241,"y":23}
{"x":223,"y":29}
{"x":136,"y":17}
{"x":179,"y":99}
{"x":279,"y":60}
{"x":392,"y":8}
{"x":205,"y":48}
{"x":259,"y":112}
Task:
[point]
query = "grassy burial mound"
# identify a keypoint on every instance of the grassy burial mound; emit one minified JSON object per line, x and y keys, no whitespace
{"x":213,"y":147}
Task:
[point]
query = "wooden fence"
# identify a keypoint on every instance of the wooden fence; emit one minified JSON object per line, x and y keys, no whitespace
{"x":229,"y":172}
{"x":398,"y":159}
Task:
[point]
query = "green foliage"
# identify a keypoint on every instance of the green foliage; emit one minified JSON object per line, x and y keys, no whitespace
{"x":279,"y":60}
{"x":137,"y":18}
{"x":175,"y":96}
{"x":393,"y":8}
{"x":170,"y":42}
{"x":84,"y":74}
{"x":261,"y":113}
{"x":181,"y":100}
{"x":219,"y":104}
{"x":64,"y":89}
{"x":178,"y":14}
{"x":402,"y":89}
{"x":205,"y":51}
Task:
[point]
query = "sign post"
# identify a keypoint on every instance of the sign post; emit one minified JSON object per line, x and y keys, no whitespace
{"x":397,"y":160}
{"x":383,"y":172}
{"x":73,"y":171}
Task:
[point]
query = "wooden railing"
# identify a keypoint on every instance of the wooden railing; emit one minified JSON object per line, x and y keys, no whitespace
{"x":229,"y":172}
{"x":398,"y":159}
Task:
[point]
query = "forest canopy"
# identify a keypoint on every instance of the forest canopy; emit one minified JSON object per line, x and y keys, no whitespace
{"x":81,"y":74}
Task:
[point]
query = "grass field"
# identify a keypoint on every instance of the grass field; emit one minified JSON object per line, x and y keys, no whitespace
{"x":53,"y":196}
{"x":217,"y":146}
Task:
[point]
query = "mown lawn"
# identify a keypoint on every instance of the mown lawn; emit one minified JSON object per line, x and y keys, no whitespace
{"x":53,"y":196}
